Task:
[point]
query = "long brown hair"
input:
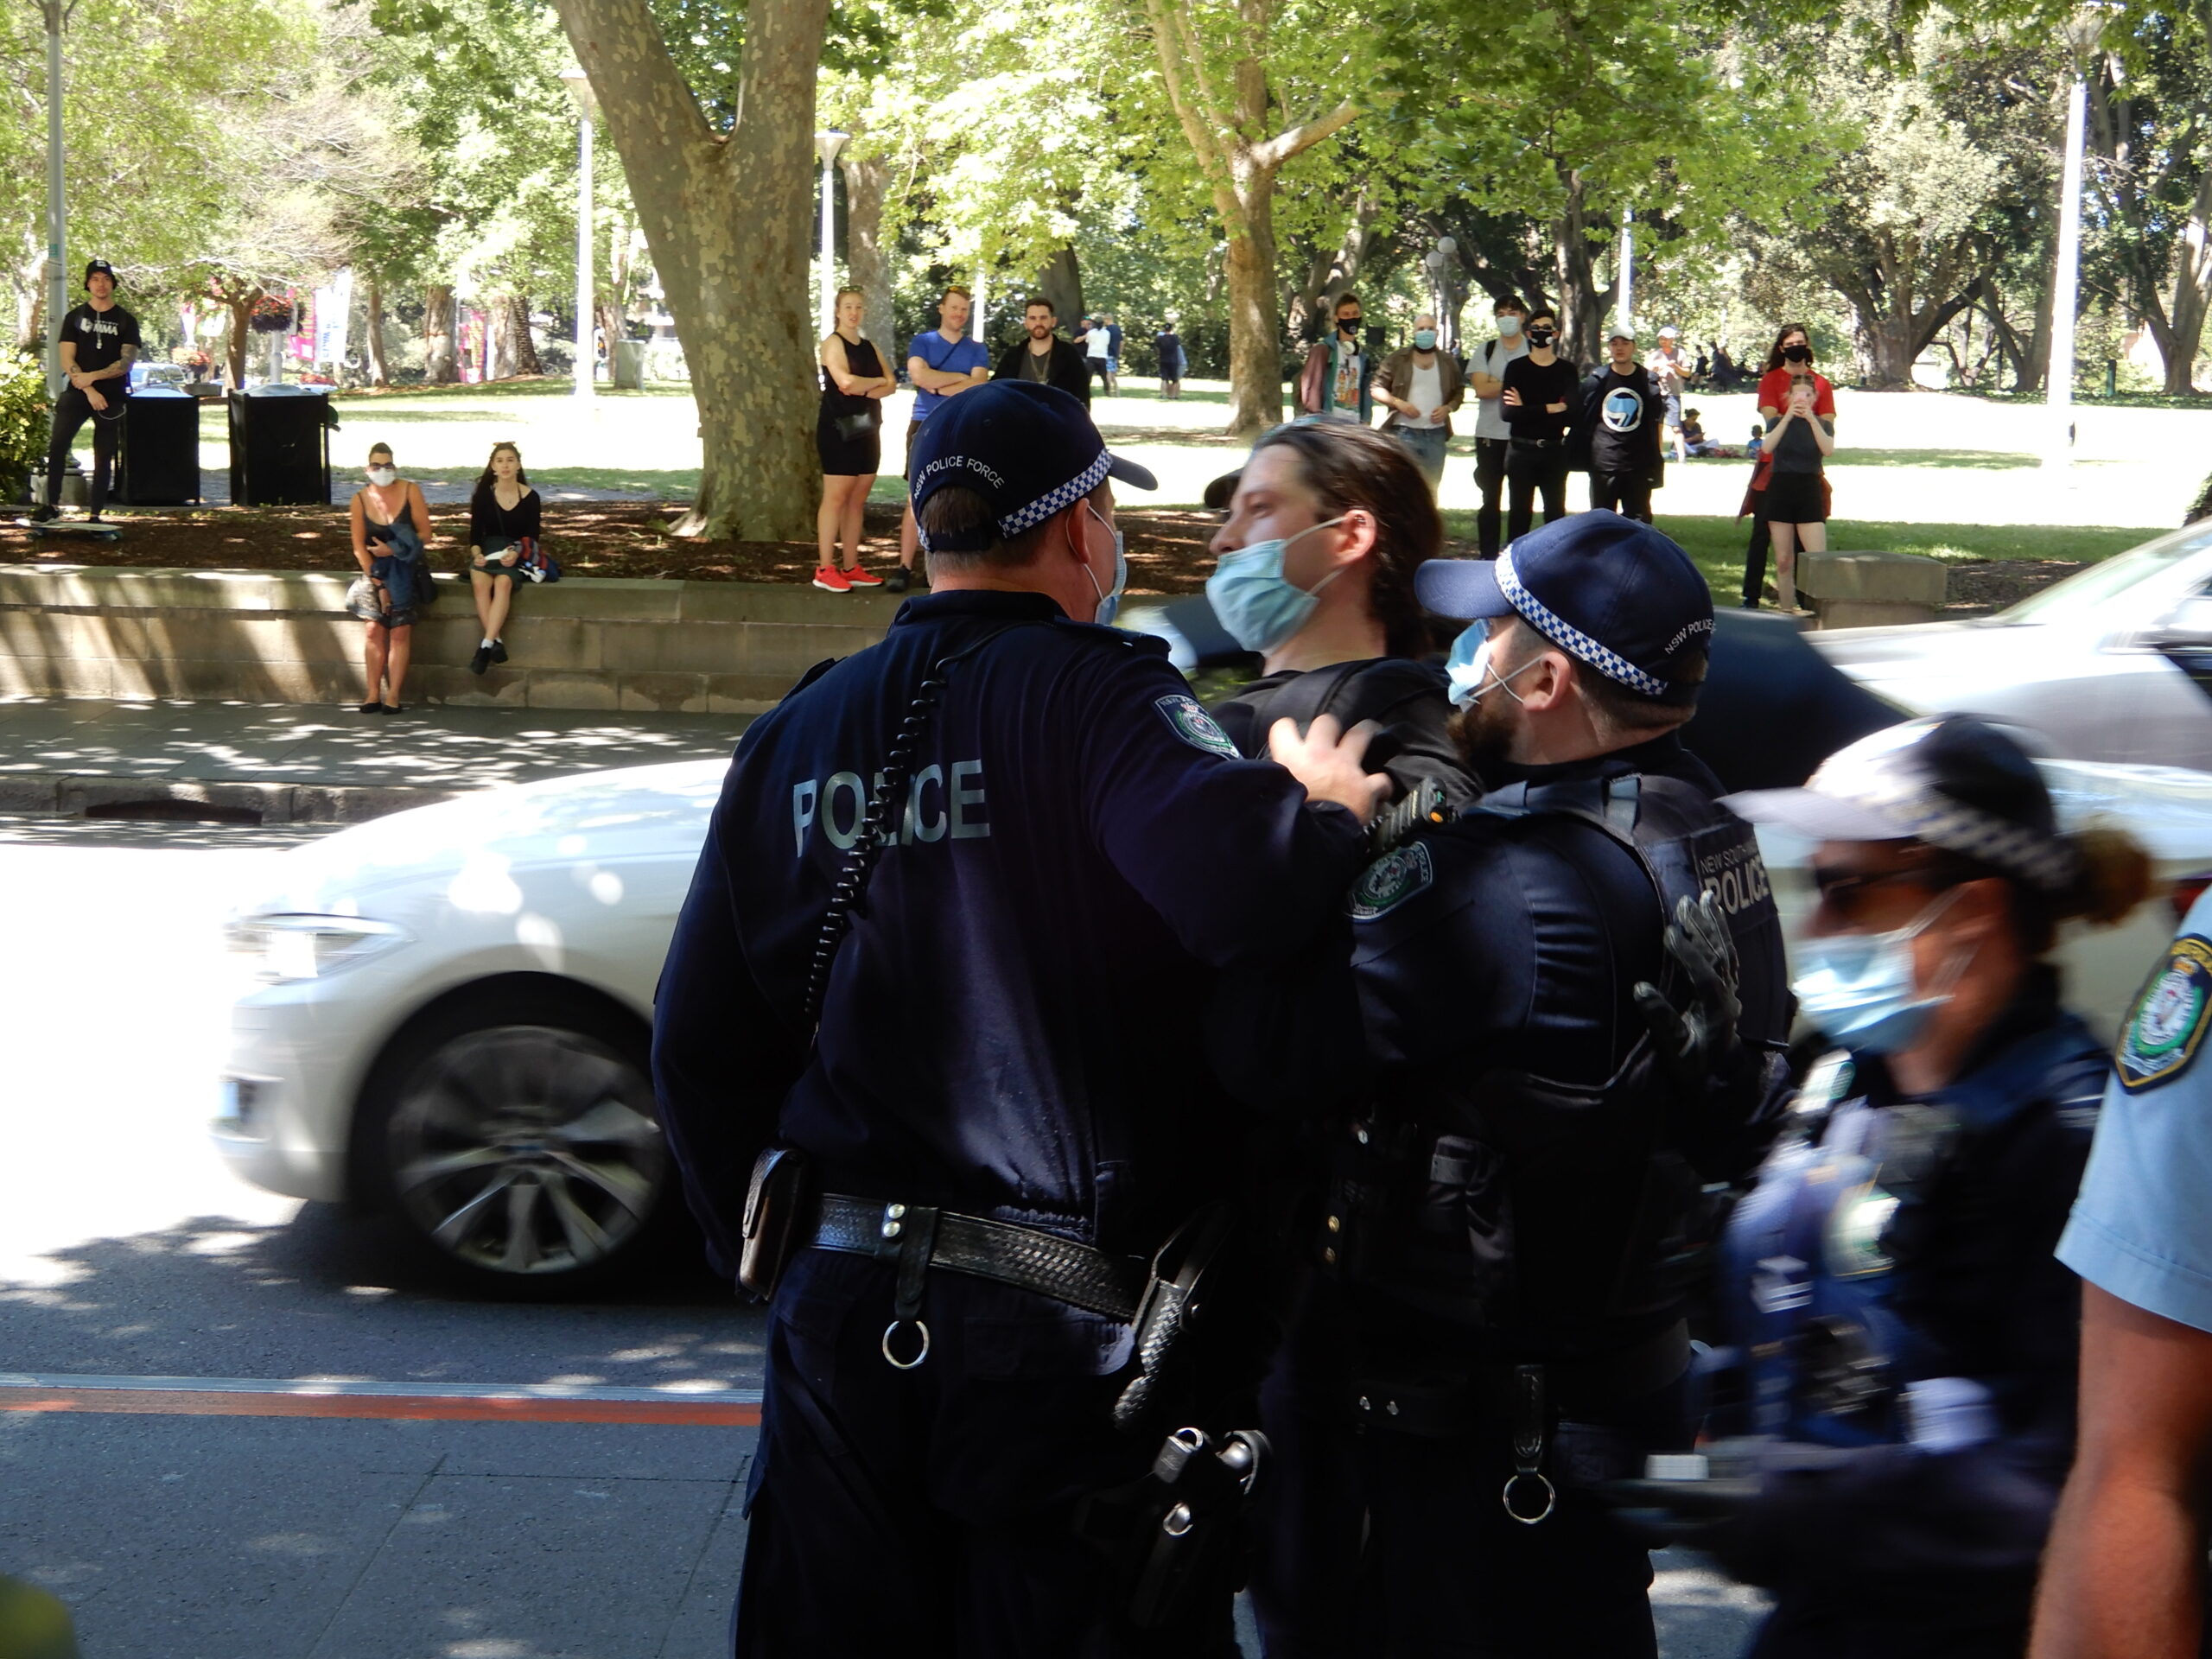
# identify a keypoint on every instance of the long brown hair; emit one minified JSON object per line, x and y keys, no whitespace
{"x":482,"y":492}
{"x":1774,"y":356}
{"x":1351,"y":467}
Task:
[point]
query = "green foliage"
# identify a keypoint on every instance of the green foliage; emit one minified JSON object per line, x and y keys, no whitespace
{"x":25,"y":421}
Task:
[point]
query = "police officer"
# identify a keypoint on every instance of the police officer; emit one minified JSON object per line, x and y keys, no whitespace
{"x":1900,"y":1335}
{"x":1007,"y":1108}
{"x":1519,"y":1184}
{"x":98,"y":342}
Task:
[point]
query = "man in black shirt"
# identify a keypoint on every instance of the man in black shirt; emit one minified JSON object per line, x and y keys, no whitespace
{"x":1616,"y":434}
{"x":98,"y":342}
{"x":1537,"y":402}
{"x":1045,"y":358}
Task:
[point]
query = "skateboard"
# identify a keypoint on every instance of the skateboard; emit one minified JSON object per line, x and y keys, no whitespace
{"x":77,"y":529}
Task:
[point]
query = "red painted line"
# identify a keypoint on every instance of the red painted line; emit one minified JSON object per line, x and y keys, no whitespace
{"x":675,"y":1411}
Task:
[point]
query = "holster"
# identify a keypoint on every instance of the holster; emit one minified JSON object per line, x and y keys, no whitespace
{"x":1174,"y":1302}
{"x":776,"y":1205}
{"x":1179,"y":1533}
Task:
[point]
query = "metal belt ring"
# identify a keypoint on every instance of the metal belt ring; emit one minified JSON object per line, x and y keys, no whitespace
{"x":899,"y":1364}
{"x":1551,"y":1497}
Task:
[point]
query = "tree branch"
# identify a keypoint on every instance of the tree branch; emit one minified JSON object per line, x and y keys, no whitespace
{"x":1296,"y":140}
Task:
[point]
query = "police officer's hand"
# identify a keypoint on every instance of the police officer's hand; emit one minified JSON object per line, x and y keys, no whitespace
{"x":1693,"y":1041}
{"x":1330,"y":762}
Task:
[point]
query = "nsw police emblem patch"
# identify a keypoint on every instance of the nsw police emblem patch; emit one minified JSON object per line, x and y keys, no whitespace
{"x":1390,"y":880}
{"x":1195,"y":727}
{"x":2167,"y":1025}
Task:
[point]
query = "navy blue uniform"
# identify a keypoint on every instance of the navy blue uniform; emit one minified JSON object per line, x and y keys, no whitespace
{"x":1012,"y":1029}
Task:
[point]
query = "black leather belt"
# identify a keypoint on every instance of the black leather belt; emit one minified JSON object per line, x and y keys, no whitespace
{"x":914,"y":1236}
{"x":1445,"y":1408}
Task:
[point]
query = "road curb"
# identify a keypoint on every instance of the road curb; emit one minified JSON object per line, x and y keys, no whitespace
{"x":98,"y":795}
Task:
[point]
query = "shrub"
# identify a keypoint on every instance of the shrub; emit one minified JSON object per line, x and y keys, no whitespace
{"x":23,"y":421}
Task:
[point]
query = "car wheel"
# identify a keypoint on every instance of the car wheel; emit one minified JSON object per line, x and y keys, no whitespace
{"x":518,"y":1142}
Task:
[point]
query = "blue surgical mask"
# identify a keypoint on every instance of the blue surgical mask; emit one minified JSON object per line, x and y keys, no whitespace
{"x":1468,"y":666}
{"x":1259,"y":606}
{"x":1859,"y":989}
{"x":1109,"y":605}
{"x":1424,"y":340}
{"x":1508,"y":327}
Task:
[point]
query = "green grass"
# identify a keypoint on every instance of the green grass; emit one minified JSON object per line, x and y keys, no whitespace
{"x":1980,"y":460}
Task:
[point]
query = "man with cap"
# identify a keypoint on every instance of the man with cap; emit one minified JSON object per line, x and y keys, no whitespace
{"x":1670,"y":373}
{"x":1616,"y":434}
{"x":1895,"y":1338}
{"x":99,"y":341}
{"x":1529,"y":1123}
{"x":948,"y":951}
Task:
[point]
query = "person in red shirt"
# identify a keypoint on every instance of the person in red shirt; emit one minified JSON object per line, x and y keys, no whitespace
{"x":1790,"y":489}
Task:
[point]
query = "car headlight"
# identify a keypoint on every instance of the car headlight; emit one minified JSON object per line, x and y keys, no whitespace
{"x":310,"y":947}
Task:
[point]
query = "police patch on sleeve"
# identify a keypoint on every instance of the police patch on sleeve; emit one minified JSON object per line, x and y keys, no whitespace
{"x":1195,"y":727}
{"x":1390,"y":880}
{"x":2162,"y":1031}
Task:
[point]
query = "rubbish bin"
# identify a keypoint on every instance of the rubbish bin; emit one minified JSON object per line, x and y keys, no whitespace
{"x":160,"y":462}
{"x":280,"y":446}
{"x":629,"y":366}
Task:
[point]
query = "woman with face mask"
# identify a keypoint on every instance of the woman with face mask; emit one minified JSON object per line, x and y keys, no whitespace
{"x":1789,"y":495}
{"x":392,"y":535}
{"x":1900,"y":1340}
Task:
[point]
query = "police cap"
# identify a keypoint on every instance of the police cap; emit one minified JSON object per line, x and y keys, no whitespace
{"x":1611,"y":592}
{"x":1029,"y":450}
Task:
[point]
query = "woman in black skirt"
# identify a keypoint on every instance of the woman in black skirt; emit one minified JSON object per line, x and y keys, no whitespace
{"x":848,"y":433}
{"x":1798,"y":404}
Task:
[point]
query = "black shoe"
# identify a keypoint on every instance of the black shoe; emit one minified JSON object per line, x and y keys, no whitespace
{"x":392,"y":708}
{"x":372,"y":708}
{"x":481,"y":660}
{"x":499,"y":651}
{"x":899,"y":581}
{"x":45,"y":515}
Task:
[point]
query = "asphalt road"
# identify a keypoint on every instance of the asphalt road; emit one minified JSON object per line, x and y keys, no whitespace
{"x":127,"y":1252}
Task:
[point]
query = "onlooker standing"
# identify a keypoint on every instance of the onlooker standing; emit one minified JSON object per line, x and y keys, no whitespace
{"x":391,"y":537}
{"x":1337,"y":381}
{"x":1094,"y":339}
{"x":1798,"y":405}
{"x":848,"y":436}
{"x":1616,"y":433}
{"x":98,"y":341}
{"x":1421,"y":386}
{"x":1113,"y":355}
{"x":1668,"y":371}
{"x":503,"y":526}
{"x":2123,"y":1575}
{"x":1485,"y":372}
{"x":1169,"y":346}
{"x":1043,"y":357}
{"x":942,"y":364}
{"x":1538,"y":401}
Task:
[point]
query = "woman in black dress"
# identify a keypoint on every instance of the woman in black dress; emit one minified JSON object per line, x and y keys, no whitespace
{"x":503,"y":517}
{"x":848,"y":433}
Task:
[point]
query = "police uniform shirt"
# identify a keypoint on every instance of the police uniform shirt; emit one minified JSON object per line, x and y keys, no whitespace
{"x":1014,"y":1025}
{"x":2141,"y":1228}
{"x":99,"y":337}
{"x":1408,"y":699}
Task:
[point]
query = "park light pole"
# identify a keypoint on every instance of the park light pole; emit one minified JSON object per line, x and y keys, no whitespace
{"x":2081,"y":33}
{"x":57,"y":229}
{"x":579,"y":85}
{"x":1448,"y":249}
{"x":1625,"y":314}
{"x":828,"y":145}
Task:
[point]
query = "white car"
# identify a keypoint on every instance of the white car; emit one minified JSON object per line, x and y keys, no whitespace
{"x":456,"y":1002}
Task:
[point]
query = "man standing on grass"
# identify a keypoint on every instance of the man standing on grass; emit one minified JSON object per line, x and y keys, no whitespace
{"x":1667,"y":372}
{"x":1043,"y":357}
{"x":1616,"y":433}
{"x":942,"y":364}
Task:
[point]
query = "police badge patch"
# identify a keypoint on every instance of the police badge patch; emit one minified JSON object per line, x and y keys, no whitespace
{"x":1390,"y":880}
{"x":2162,"y":1031}
{"x":1195,"y":727}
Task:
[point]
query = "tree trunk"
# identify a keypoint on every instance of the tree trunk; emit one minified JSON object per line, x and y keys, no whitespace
{"x":513,"y":314}
{"x":1061,"y":282}
{"x":1582,"y":303}
{"x":867,"y":178}
{"x":2192,"y":289}
{"x":241,"y":337}
{"x":1254,"y":347}
{"x":379,"y":369}
{"x":728,"y":219}
{"x":441,"y":337}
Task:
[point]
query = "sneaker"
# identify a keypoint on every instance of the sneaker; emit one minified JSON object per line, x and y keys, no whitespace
{"x":499,"y":651}
{"x":45,"y":515}
{"x":481,"y":660}
{"x":831,"y":580}
{"x":860,"y":578}
{"x":899,"y":581}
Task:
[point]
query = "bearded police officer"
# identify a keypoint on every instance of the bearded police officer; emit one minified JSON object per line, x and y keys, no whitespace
{"x":996,"y":858}
{"x":1518,"y":1191}
{"x":98,"y":341}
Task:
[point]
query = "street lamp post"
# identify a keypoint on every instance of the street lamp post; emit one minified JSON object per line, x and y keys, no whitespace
{"x":1624,"y":315}
{"x":827,"y":145}
{"x":1447,"y":250}
{"x":57,"y":292}
{"x":579,"y":85}
{"x":2065,"y":289}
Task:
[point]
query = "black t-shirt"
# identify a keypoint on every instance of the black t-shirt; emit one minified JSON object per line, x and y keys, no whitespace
{"x":1407,"y":699}
{"x":99,"y":336}
{"x":1624,"y":413}
{"x":1539,"y":384}
{"x":1796,"y":451}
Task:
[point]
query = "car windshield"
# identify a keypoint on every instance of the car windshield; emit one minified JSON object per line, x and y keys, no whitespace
{"x":2153,"y":577}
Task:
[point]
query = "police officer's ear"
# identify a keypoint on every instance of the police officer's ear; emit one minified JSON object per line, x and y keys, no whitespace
{"x":1547,"y":681}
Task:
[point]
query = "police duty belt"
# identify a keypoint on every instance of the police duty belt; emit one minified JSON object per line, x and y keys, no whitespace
{"x":915,"y":1237}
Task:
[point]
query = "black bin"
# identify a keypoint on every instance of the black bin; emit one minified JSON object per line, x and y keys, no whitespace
{"x":159,"y":465}
{"x":280,"y":446}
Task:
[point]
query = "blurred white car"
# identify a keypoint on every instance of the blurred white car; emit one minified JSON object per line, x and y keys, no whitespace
{"x":455,"y":1003}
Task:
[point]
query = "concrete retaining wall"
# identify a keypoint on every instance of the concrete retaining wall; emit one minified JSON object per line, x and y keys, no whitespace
{"x":691,"y":647}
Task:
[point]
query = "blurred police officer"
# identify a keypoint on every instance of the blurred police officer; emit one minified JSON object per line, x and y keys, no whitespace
{"x":1520,"y":1184}
{"x":1007,"y":1108}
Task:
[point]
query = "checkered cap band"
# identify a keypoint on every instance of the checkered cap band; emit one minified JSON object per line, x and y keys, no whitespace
{"x":1564,"y":635}
{"x":1870,"y":779}
{"x":1052,"y":501}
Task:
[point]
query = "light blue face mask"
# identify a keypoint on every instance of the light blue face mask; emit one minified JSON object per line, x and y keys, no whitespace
{"x":1858,"y":987}
{"x":1259,"y":606}
{"x":1468,"y":666}
{"x":1424,"y":340}
{"x":1109,"y":605}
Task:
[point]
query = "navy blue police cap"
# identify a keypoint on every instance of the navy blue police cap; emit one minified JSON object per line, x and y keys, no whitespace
{"x":1609,"y":591}
{"x":1028,"y":450}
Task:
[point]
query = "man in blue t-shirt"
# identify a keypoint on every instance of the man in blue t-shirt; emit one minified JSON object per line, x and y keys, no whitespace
{"x":942,"y":364}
